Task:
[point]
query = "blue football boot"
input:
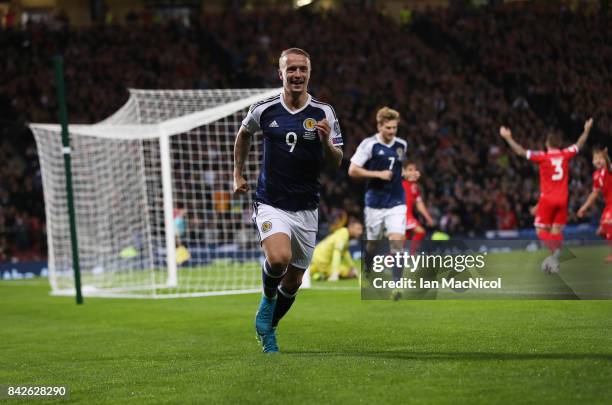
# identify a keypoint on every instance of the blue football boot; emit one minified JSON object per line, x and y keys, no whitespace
{"x":269,"y":342}
{"x":263,"y":318}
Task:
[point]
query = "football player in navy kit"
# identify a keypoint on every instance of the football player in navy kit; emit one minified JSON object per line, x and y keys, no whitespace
{"x":378,"y":159}
{"x":301,"y":136}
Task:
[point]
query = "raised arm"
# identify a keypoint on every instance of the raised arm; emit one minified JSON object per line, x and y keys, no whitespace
{"x":507,"y":135}
{"x":242,"y":145}
{"x":585,"y":134}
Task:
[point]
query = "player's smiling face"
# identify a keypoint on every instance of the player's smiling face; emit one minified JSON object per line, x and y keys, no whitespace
{"x":409,"y":172}
{"x":295,"y":72}
{"x":388,"y":129}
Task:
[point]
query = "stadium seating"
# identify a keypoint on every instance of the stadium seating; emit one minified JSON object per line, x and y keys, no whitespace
{"x":455,"y":75}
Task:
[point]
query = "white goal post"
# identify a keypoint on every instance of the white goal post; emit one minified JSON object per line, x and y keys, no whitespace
{"x":152,"y":192}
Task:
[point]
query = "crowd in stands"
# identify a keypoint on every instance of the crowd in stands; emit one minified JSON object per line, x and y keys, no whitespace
{"x":454,"y":75}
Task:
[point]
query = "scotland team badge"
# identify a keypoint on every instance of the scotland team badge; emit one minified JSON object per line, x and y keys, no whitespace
{"x":309,"y":124}
{"x":266,"y":226}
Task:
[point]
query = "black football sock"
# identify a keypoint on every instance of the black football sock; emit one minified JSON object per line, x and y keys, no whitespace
{"x":270,"y":280}
{"x":283,"y":303}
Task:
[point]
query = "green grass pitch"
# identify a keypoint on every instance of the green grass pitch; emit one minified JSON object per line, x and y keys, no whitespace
{"x":335,"y":349}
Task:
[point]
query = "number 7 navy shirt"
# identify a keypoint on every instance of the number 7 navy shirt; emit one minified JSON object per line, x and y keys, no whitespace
{"x":373,"y":154}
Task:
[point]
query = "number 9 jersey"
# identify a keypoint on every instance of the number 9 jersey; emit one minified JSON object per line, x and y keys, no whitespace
{"x":292,"y":151}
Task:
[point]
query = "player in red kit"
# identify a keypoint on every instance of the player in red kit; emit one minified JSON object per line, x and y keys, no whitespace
{"x":602,"y":184}
{"x":551,"y":211}
{"x":414,"y":231}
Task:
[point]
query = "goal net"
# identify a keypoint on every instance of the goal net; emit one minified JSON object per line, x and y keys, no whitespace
{"x":152,"y":191}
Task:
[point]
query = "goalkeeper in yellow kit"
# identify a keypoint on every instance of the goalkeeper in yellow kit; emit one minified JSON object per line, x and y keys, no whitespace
{"x":331,"y":259}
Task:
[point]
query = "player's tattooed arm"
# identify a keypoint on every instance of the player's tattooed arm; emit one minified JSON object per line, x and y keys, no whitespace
{"x":331,"y":153}
{"x":585,"y":134}
{"x":505,"y":133}
{"x":588,"y":203}
{"x":242,"y":146}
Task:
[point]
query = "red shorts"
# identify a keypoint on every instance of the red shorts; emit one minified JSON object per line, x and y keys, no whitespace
{"x":551,"y":212}
{"x":411,"y":223}
{"x":606,"y":215}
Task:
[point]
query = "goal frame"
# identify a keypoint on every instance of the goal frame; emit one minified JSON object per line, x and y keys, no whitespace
{"x":112,"y":128}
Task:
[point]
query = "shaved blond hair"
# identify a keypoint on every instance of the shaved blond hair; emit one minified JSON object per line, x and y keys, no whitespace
{"x":296,"y":51}
{"x":386,"y":114}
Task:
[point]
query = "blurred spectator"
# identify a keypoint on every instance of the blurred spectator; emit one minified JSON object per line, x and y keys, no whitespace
{"x":455,"y":75}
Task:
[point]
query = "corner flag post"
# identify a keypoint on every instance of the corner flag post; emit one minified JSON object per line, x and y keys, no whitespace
{"x":63,"y":115}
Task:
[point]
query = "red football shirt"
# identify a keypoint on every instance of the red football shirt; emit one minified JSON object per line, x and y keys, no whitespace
{"x":554,"y":167}
{"x":602,"y":181}
{"x":411,"y":189}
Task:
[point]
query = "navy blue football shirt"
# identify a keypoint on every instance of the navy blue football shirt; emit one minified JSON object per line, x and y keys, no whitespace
{"x":373,"y":154}
{"x":292,"y":151}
